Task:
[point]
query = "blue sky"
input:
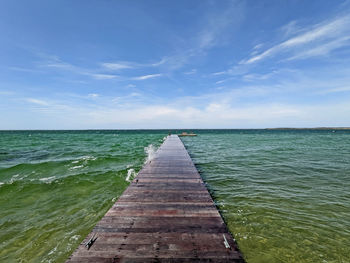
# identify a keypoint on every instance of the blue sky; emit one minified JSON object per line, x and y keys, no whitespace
{"x":174,"y":64}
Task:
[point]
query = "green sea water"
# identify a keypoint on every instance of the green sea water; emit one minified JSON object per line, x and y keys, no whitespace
{"x":285,"y":195}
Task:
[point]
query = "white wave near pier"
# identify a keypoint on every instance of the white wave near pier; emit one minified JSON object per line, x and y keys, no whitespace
{"x":131,"y":175}
{"x":48,"y":179}
{"x":151,"y":152}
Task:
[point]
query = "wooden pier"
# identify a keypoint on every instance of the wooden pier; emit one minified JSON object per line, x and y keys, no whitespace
{"x":165,"y":215}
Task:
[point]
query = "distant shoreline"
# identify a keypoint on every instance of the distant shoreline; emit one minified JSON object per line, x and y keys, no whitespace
{"x":317,"y":128}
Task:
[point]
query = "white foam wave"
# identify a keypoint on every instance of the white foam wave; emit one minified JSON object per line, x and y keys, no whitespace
{"x":15,"y":178}
{"x":151,"y":152}
{"x":131,"y":175}
{"x":88,"y":157}
{"x":48,"y":179}
{"x":53,"y":251}
{"x":77,"y":167}
{"x":74,"y":238}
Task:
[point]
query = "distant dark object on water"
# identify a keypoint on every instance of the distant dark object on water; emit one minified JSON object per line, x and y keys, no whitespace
{"x":187,"y":134}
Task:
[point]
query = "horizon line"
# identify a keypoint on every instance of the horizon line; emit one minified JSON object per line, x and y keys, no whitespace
{"x":169,"y":129}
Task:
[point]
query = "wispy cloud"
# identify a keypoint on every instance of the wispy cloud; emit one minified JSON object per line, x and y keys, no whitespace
{"x":177,"y":60}
{"x":217,"y":22}
{"x":216,"y":28}
{"x":37,"y":101}
{"x":266,"y":76}
{"x":292,"y":28}
{"x":162,"y":61}
{"x":132,"y":98}
{"x":118,"y":66}
{"x":318,"y":40}
{"x":151,"y":76}
{"x":54,"y":62}
{"x":322,"y":50}
{"x":219,"y":73}
{"x":104,"y":71}
{"x":135,"y":94}
{"x":93,"y":95}
{"x":20,"y":69}
{"x":191,"y":72}
{"x":102,"y":76}
{"x":6,"y":93}
{"x":336,"y":90}
{"x":221,"y":81}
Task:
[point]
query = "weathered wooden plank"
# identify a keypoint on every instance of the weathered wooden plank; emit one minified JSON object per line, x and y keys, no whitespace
{"x":165,"y":215}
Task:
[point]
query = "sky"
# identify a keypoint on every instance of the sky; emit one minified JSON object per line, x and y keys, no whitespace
{"x":135,"y":64}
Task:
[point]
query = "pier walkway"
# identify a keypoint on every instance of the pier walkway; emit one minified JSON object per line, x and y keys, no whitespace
{"x":165,"y":215}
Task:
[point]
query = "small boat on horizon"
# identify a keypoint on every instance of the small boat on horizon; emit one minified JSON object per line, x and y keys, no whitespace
{"x":187,"y":134}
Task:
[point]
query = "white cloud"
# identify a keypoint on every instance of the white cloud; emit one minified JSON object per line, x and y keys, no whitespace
{"x":37,"y":101}
{"x":259,"y":77}
{"x":135,"y":94}
{"x":322,"y":50}
{"x":120,"y":65}
{"x":244,"y":107}
{"x":56,"y":63}
{"x":128,"y":99}
{"x":222,"y":81}
{"x":206,"y":39}
{"x":60,"y":65}
{"x":160,"y":62}
{"x":212,"y":115}
{"x":290,"y":29}
{"x":219,"y":73}
{"x":177,"y":60}
{"x":117,"y":66}
{"x":150,"y":76}
{"x":317,"y":40}
{"x":103,"y":76}
{"x":258,"y":46}
{"x":327,"y":30}
{"x":191,"y":72}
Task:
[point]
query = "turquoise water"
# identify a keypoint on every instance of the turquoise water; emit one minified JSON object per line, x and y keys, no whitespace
{"x":285,"y":195}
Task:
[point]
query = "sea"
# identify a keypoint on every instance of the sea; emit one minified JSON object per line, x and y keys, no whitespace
{"x":284,"y":194}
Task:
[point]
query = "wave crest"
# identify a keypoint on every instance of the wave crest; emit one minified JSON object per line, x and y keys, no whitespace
{"x":150,"y":150}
